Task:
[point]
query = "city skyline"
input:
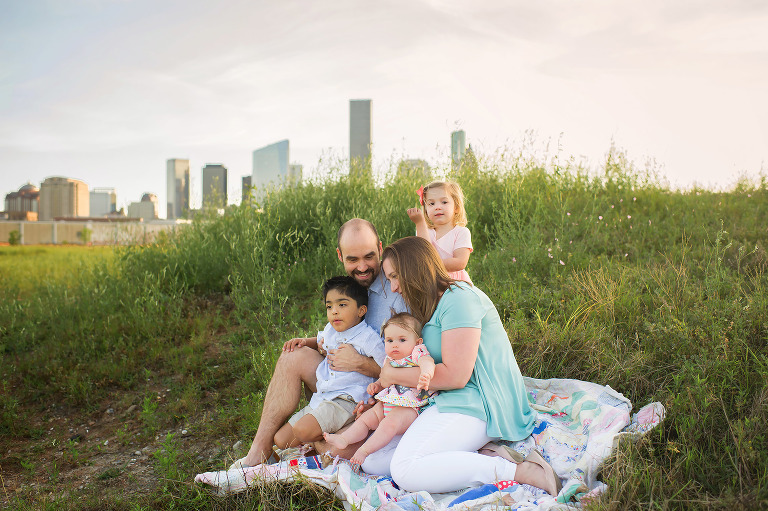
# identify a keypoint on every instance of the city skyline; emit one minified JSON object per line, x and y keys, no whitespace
{"x":679,"y":87}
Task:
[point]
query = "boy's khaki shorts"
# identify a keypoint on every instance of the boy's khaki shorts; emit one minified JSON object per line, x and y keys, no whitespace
{"x":331,"y":415}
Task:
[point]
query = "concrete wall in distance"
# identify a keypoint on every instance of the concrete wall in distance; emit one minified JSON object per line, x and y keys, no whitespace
{"x":102,"y":233}
{"x":36,"y":233}
{"x":6,"y":228}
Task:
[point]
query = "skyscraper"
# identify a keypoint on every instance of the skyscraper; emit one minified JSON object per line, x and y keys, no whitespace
{"x":177,"y":187}
{"x":103,"y":201}
{"x":458,"y":148}
{"x":295,"y":172}
{"x":270,"y":165}
{"x":246,"y":188}
{"x":63,"y":197}
{"x":215,"y":185}
{"x":360,"y":136}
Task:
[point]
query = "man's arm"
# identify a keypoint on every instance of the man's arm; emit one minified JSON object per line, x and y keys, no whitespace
{"x":346,"y":358}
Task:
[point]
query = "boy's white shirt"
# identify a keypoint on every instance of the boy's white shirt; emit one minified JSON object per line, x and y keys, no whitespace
{"x":331,"y":384}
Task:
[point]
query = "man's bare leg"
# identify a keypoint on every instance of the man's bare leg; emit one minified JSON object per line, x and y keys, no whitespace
{"x":282,"y":397}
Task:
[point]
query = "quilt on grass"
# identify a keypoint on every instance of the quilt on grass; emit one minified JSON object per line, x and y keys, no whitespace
{"x":578,"y":424}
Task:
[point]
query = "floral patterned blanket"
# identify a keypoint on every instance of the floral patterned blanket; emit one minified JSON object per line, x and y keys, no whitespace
{"x":578,"y":425}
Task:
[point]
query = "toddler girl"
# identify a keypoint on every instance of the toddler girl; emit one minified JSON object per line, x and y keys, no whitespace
{"x":442,"y":223}
{"x":397,"y":406}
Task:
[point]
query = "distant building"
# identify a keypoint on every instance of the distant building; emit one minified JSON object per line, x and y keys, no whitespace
{"x":414,"y":168}
{"x":177,"y":187}
{"x":215,"y":185}
{"x":246,"y":188}
{"x":458,"y":148}
{"x":270,"y":165}
{"x":469,"y":162}
{"x":294,"y":173}
{"x":146,"y":209}
{"x":360,"y":136}
{"x":103,"y":201}
{"x":24,"y":204}
{"x":61,"y":197}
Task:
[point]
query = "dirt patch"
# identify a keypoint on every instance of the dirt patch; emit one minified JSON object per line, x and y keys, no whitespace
{"x":72,"y":455}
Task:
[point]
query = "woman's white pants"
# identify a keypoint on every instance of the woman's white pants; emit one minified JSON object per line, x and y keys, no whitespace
{"x":438,"y":453}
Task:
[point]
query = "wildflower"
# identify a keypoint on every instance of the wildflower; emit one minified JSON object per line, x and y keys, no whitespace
{"x":611,"y":206}
{"x":514,"y":259}
{"x":561,"y":262}
{"x":625,"y":255}
{"x":549,"y":250}
{"x":749,"y":195}
{"x":634,"y":199}
{"x":629,"y":216}
{"x":569,"y":213}
{"x":649,"y":222}
{"x":570,"y":242}
{"x":600,"y":217}
{"x":550,"y":256}
{"x":621,"y":200}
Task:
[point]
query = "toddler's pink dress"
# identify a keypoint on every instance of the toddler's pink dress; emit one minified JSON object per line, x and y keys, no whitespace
{"x":458,"y":237}
{"x":399,"y":395}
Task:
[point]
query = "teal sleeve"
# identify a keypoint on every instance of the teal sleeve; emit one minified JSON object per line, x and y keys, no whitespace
{"x":461,"y":308}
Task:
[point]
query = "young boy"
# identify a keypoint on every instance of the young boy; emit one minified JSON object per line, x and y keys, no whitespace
{"x":332,"y":406}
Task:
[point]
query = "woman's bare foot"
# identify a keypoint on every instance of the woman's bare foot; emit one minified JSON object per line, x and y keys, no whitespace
{"x":337,"y":441}
{"x":359,"y":457}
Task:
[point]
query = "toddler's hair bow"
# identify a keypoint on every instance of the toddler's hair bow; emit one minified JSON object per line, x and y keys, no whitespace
{"x":420,"y":192}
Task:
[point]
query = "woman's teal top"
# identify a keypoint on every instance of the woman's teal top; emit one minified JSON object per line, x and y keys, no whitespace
{"x":495,"y":392}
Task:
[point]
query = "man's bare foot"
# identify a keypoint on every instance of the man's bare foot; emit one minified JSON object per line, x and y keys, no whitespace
{"x":337,"y":441}
{"x":359,"y":457}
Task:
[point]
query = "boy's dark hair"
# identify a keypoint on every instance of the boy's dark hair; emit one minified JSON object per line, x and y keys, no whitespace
{"x":347,"y":286}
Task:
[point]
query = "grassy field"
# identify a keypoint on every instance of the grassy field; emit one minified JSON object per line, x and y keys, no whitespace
{"x":29,"y":268}
{"x":125,"y":372}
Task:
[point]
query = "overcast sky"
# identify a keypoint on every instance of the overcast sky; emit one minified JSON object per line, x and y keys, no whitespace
{"x":107,"y":90}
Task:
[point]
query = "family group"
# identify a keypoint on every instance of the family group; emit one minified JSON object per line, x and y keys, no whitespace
{"x":414,"y":372}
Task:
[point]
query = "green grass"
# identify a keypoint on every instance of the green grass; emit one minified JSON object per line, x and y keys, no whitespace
{"x":24,"y":268}
{"x":611,"y":278}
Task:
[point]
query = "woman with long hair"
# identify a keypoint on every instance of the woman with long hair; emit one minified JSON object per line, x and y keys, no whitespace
{"x":482,"y":396}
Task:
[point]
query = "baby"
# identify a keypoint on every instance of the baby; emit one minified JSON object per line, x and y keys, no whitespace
{"x":338,"y":392}
{"x":397,"y":406}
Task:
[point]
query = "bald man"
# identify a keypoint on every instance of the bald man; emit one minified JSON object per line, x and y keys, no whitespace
{"x":359,"y":250}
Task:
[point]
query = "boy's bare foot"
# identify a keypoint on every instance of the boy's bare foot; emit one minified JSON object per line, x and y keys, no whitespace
{"x":359,"y":457}
{"x":337,"y":441}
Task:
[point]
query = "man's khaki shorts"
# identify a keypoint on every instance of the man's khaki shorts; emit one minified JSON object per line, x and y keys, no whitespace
{"x":331,"y":415}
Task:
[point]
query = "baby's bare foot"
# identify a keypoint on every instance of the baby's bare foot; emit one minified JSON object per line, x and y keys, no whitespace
{"x":337,"y":441}
{"x":359,"y":457}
